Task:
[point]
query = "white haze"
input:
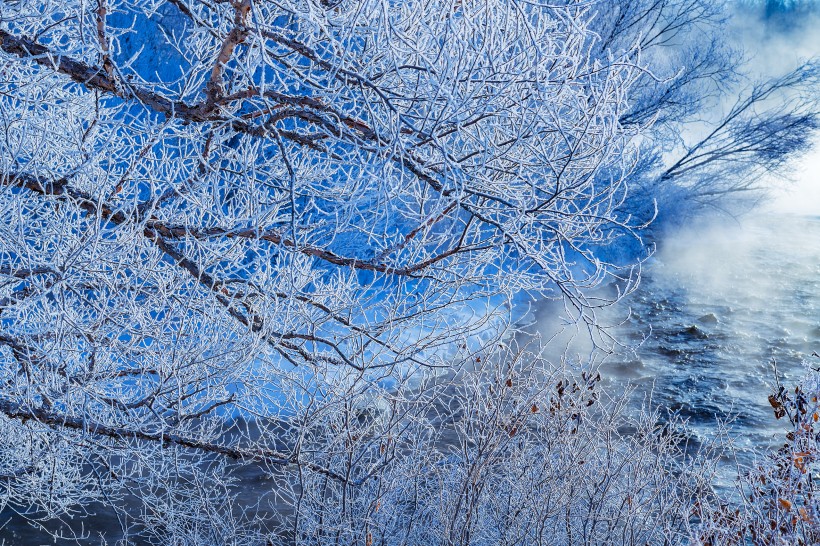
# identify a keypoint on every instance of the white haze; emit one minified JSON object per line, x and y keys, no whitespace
{"x":776,"y":47}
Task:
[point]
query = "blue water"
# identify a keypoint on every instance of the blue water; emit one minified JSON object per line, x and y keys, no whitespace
{"x":717,"y":309}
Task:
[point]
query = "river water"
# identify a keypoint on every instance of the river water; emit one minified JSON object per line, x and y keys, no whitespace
{"x":716,"y":308}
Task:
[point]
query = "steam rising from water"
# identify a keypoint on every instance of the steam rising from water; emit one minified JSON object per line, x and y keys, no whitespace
{"x":722,"y":304}
{"x":716,"y":307}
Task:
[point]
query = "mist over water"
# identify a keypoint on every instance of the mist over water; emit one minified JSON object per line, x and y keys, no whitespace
{"x":716,"y":308}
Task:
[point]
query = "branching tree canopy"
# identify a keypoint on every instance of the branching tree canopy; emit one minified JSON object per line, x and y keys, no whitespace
{"x":287,"y":235}
{"x":717,"y":128}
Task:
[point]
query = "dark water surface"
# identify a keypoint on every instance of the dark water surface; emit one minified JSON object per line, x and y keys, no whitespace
{"x":718,"y":308}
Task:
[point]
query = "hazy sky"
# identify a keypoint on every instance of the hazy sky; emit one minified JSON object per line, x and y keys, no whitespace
{"x":777,"y":35}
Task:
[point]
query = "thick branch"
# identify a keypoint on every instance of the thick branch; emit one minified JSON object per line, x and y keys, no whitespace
{"x":272,"y":236}
{"x":95,"y":77}
{"x":58,"y":420}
